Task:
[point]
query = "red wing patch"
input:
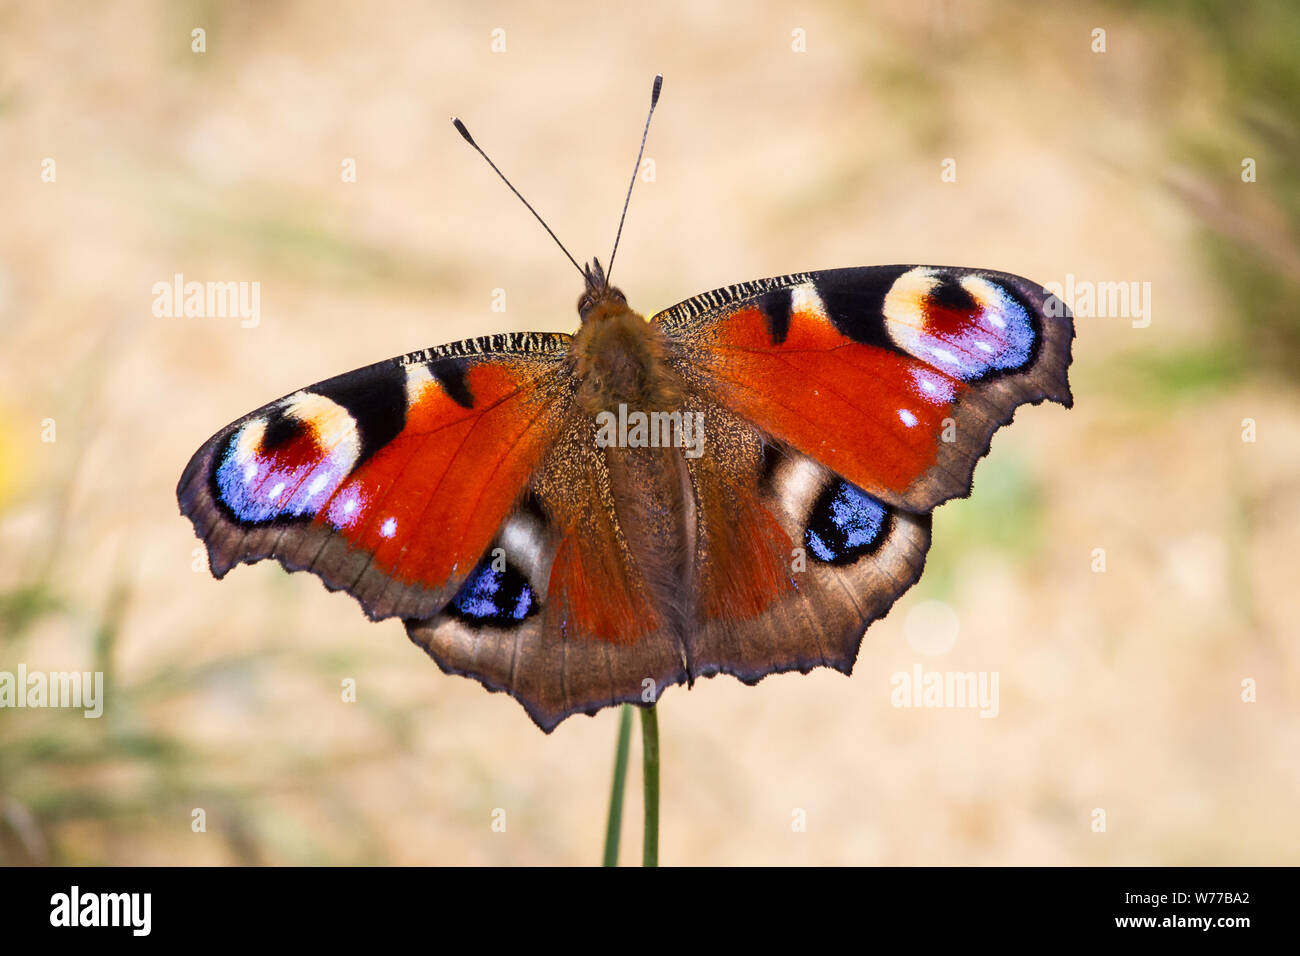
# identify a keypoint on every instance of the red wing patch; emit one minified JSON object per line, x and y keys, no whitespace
{"x":745,"y":554}
{"x":428,"y":503}
{"x":592,"y":596}
{"x":869,"y":414}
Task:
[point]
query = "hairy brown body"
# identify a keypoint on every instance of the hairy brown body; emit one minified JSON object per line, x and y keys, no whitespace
{"x":619,"y":359}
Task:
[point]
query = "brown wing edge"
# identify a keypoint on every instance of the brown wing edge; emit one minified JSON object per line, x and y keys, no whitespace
{"x":494,"y":665}
{"x":546,"y":716}
{"x":840,"y":653}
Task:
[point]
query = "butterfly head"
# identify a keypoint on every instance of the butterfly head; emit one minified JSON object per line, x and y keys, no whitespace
{"x":599,"y":298}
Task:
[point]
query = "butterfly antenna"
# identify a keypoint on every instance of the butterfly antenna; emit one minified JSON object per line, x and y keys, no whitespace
{"x":654,"y":98}
{"x":460,"y":128}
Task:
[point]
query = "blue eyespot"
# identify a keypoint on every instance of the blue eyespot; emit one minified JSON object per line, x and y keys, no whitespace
{"x":501,"y":598}
{"x":845,"y":524}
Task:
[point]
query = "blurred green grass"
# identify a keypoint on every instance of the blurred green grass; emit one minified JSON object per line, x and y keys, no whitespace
{"x":1255,"y":49}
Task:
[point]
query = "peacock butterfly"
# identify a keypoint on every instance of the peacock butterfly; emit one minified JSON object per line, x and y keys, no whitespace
{"x":739,"y":484}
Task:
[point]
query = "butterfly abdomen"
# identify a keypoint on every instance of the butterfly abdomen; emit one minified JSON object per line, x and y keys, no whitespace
{"x":652,"y":499}
{"x":619,"y":361}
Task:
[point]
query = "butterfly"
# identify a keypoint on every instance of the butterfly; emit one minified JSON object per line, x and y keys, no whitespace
{"x":739,"y":484}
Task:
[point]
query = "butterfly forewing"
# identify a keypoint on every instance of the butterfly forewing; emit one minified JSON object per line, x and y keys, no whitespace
{"x":387,"y":482}
{"x":895,"y":377}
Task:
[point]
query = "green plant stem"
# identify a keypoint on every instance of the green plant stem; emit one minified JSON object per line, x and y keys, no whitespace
{"x":614,"y":828}
{"x":650,"y":765}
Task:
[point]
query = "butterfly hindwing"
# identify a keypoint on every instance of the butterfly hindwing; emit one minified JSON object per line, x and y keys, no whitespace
{"x":390,"y":481}
{"x":562,"y":614}
{"x":794,"y":561}
{"x":895,"y":377}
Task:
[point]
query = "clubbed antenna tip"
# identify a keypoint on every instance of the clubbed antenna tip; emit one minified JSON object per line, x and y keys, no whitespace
{"x":654,"y":100}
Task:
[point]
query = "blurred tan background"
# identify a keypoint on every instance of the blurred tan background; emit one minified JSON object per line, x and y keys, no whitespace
{"x":1120,"y":691}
